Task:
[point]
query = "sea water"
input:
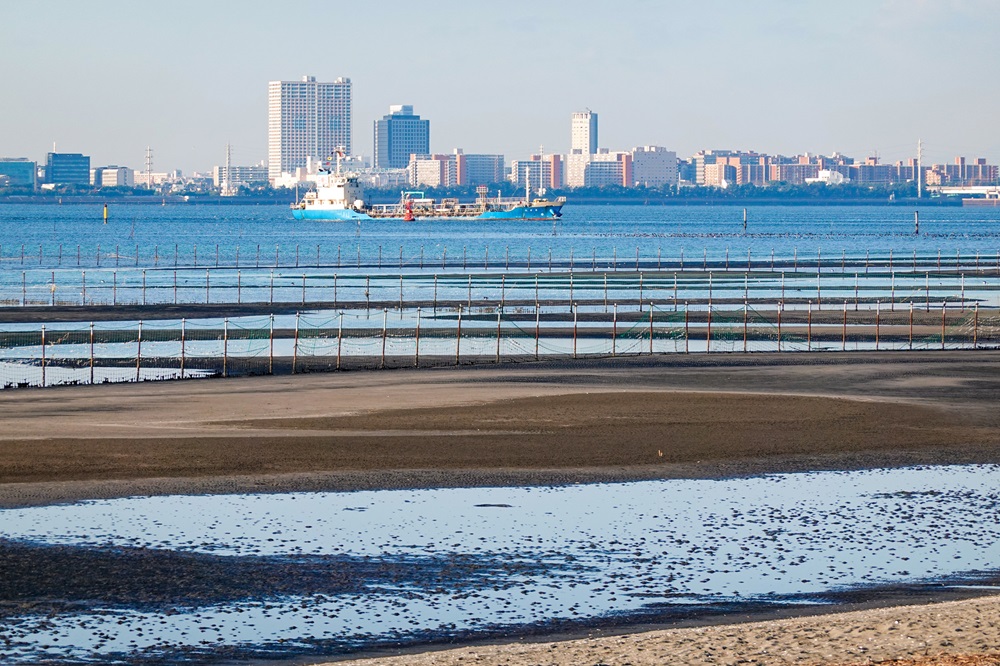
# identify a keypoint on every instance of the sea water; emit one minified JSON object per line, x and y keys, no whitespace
{"x":530,"y":557}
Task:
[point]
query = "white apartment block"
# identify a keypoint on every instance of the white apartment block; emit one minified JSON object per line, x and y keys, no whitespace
{"x":583,"y":132}
{"x":306,"y":118}
{"x":433,"y":170}
{"x":654,"y":166}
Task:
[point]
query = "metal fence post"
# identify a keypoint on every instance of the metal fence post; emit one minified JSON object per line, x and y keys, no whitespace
{"x":83,"y":283}
{"x":270,"y":350}
{"x":538,"y":329}
{"x":207,"y":286}
{"x":143,"y":286}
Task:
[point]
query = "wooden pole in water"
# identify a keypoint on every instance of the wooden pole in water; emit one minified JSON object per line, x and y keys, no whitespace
{"x":911,"y":326}
{"x":614,"y":331}
{"x":975,"y":328}
{"x":143,"y":286}
{"x":809,"y":325}
{"x":114,"y":287}
{"x":640,"y":292}
{"x":83,"y":284}
{"x":746,"y":314}
{"x":538,"y":317}
{"x":138,"y":354}
{"x":340,"y":337}
{"x":334,"y":290}
{"x":878,"y":313}
{"x":225,"y":347}
{"x":779,"y":329}
{"x":207,"y":285}
{"x":183,"y":344}
{"x":499,"y":314}
{"x":416,"y":351}
{"x":470,"y":291}
{"x":435,"y":301}
{"x":675,"y":292}
{"x":650,"y":328}
{"x":385,"y":320}
{"x":843,"y":345}
{"x":708,"y":331}
{"x":458,"y":338}
{"x":944,"y":310}
{"x":687,"y":330}
{"x":574,"y":328}
{"x":43,"y":355}
{"x":91,"y":352}
{"x":270,"y":347}
{"x":295,"y":344}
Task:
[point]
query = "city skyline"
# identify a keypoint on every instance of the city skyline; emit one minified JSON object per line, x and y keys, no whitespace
{"x":857,"y":77}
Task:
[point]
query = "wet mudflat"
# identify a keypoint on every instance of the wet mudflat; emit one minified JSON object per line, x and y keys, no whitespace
{"x":209,"y":579}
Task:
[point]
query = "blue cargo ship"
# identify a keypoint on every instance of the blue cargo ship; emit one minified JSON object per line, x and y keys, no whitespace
{"x":339,"y":197}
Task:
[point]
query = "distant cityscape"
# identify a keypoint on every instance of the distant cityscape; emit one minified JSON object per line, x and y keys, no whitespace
{"x":310,"y":130}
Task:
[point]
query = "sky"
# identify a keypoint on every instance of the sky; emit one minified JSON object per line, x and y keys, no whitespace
{"x":186,"y":77}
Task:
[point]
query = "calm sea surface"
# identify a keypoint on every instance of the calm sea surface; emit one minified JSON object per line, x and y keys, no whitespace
{"x":585,"y":230}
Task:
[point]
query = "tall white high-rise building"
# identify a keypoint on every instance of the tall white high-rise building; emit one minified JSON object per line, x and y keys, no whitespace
{"x":306,"y":119}
{"x":583,"y":133}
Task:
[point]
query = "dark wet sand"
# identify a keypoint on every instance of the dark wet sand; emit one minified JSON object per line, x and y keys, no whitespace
{"x":613,"y":419}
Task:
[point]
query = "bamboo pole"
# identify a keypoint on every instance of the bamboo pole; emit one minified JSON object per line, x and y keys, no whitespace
{"x":138,"y":353}
{"x":416,"y":351}
{"x":538,"y":318}
{"x":225,"y":347}
{"x":43,"y":355}
{"x":340,"y":337}
{"x":91,"y":352}
{"x":614,"y":331}
{"x":295,"y":344}
{"x":183,"y":344}
{"x":458,"y":338}
{"x":385,"y":319}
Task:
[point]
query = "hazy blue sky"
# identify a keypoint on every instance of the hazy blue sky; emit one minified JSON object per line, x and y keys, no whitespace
{"x":778,"y":76}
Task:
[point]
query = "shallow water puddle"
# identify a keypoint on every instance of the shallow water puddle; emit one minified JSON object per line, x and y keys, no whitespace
{"x":219,"y":577}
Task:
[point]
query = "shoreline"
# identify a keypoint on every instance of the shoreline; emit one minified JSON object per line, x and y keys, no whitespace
{"x":699,"y":416}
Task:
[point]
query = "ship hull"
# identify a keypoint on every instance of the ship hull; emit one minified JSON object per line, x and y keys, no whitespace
{"x":525,"y":213}
{"x":341,"y":215}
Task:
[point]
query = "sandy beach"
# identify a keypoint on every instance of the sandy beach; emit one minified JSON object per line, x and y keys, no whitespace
{"x":698,"y":416}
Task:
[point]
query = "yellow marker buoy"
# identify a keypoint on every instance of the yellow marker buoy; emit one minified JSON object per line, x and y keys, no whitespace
{"x":105,"y":213}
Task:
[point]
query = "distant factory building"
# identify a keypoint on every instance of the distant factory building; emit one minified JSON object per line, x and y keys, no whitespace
{"x":399,"y":135}
{"x":67,"y":169}
{"x":19,"y":171}
{"x":112,"y":176}
{"x":306,"y":118}
{"x":237,"y":176}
